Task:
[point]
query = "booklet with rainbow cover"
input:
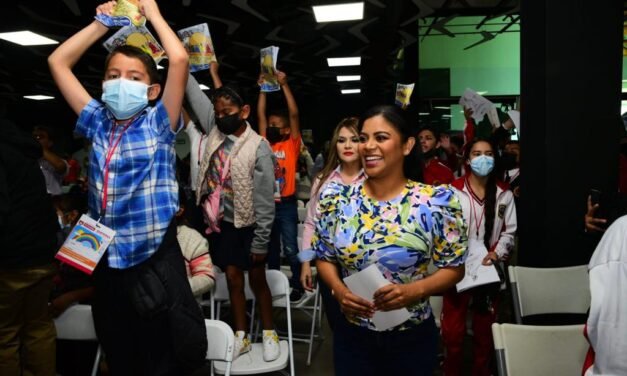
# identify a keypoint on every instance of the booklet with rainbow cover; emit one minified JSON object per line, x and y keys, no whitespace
{"x":199,"y":46}
{"x":139,"y":37}
{"x":125,"y":13}
{"x":403,"y":93}
{"x":86,"y":244}
{"x":269,"y":57}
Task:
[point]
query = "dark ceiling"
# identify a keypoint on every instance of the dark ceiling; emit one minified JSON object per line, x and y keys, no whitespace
{"x":239,"y":29}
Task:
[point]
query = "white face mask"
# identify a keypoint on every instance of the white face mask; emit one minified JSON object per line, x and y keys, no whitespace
{"x":482,"y":165}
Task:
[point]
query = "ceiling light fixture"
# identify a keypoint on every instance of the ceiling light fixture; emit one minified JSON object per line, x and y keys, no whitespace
{"x":203,"y":87}
{"x":38,"y":97}
{"x":423,"y":114}
{"x":343,"y":61}
{"x":351,"y":91}
{"x":339,"y":12}
{"x":348,"y":78}
{"x":27,"y":38}
{"x":442,"y":108}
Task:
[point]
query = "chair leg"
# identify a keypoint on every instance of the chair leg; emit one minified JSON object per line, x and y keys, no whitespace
{"x":94,"y":370}
{"x":313,"y":324}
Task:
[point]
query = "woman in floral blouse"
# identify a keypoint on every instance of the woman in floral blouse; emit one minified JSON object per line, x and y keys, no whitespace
{"x":392,"y":221}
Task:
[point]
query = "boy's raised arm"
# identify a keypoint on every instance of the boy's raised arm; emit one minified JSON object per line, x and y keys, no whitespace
{"x":178,"y":62}
{"x":292,"y":107}
{"x":262,"y":119}
{"x":63,"y":59}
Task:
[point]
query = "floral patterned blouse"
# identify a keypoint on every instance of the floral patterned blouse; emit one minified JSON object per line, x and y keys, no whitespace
{"x":400,"y":236}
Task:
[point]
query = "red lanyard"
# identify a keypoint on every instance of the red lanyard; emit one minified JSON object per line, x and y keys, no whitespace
{"x":109,"y":155}
{"x":474,"y":212}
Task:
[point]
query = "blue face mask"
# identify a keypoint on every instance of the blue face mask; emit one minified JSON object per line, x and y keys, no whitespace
{"x":124,"y":98}
{"x":482,"y":165}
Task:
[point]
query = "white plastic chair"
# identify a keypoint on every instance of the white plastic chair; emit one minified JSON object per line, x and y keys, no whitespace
{"x":539,"y":350}
{"x":220,"y":296}
{"x":549,"y":290}
{"x":221,"y":340}
{"x":77,"y":324}
{"x":301,"y":230}
{"x":302,"y":214}
{"x":252,"y":362}
{"x":311,"y":305}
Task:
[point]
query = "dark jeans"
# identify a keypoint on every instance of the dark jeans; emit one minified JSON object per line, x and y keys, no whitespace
{"x":285,"y":228}
{"x":146,"y":317}
{"x":361,"y":351}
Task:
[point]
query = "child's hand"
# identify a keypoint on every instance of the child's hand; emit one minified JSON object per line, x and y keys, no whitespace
{"x":149,"y":9}
{"x":106,"y":8}
{"x":281,"y":77}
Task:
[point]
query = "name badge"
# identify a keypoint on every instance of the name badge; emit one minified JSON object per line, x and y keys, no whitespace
{"x":86,"y":244}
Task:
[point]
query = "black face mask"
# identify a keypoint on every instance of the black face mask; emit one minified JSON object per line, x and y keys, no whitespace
{"x":508,"y":161}
{"x":229,"y":124}
{"x":273,"y":134}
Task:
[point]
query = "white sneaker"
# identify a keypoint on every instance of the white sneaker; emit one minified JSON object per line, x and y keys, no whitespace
{"x":241,"y":345}
{"x":271,"y":348}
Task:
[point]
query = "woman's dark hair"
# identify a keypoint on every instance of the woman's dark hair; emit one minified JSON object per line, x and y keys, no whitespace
{"x":231,"y":93}
{"x":490,"y":190}
{"x":412,"y":167}
{"x":137,"y":53}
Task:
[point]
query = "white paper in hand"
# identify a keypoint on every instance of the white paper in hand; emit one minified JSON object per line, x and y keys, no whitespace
{"x":364,"y":284}
{"x":477,"y":274}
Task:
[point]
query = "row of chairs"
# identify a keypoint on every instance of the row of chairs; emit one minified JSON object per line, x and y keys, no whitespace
{"x":76,"y":323}
{"x":552,"y":294}
{"x":544,"y":349}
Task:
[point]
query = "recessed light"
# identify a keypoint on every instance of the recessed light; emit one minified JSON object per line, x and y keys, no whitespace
{"x":348,"y":78}
{"x":204,"y":87}
{"x":339,"y":12}
{"x":26,"y":38}
{"x":351,"y":91}
{"x":38,"y":97}
{"x":343,"y":61}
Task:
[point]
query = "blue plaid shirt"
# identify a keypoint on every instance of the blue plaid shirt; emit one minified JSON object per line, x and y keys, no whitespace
{"x":143,"y":191}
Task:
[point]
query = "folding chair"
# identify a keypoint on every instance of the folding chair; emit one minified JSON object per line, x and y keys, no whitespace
{"x":539,"y":350}
{"x":537,"y":291}
{"x":220,"y":296}
{"x":252,"y":362}
{"x":221,"y":340}
{"x":311,"y":305}
{"x":77,"y":324}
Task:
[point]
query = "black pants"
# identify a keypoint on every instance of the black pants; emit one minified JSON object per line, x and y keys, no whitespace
{"x":364,"y":352}
{"x":146,"y":317}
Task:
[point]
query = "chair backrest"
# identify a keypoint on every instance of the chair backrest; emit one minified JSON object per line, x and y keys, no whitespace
{"x":278,"y":283}
{"x":76,"y":323}
{"x":539,"y":350}
{"x":549,"y":290}
{"x":302,"y":214}
{"x":436,"y":302}
{"x":301,"y":230}
{"x":221,"y":340}
{"x":221,"y":290}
